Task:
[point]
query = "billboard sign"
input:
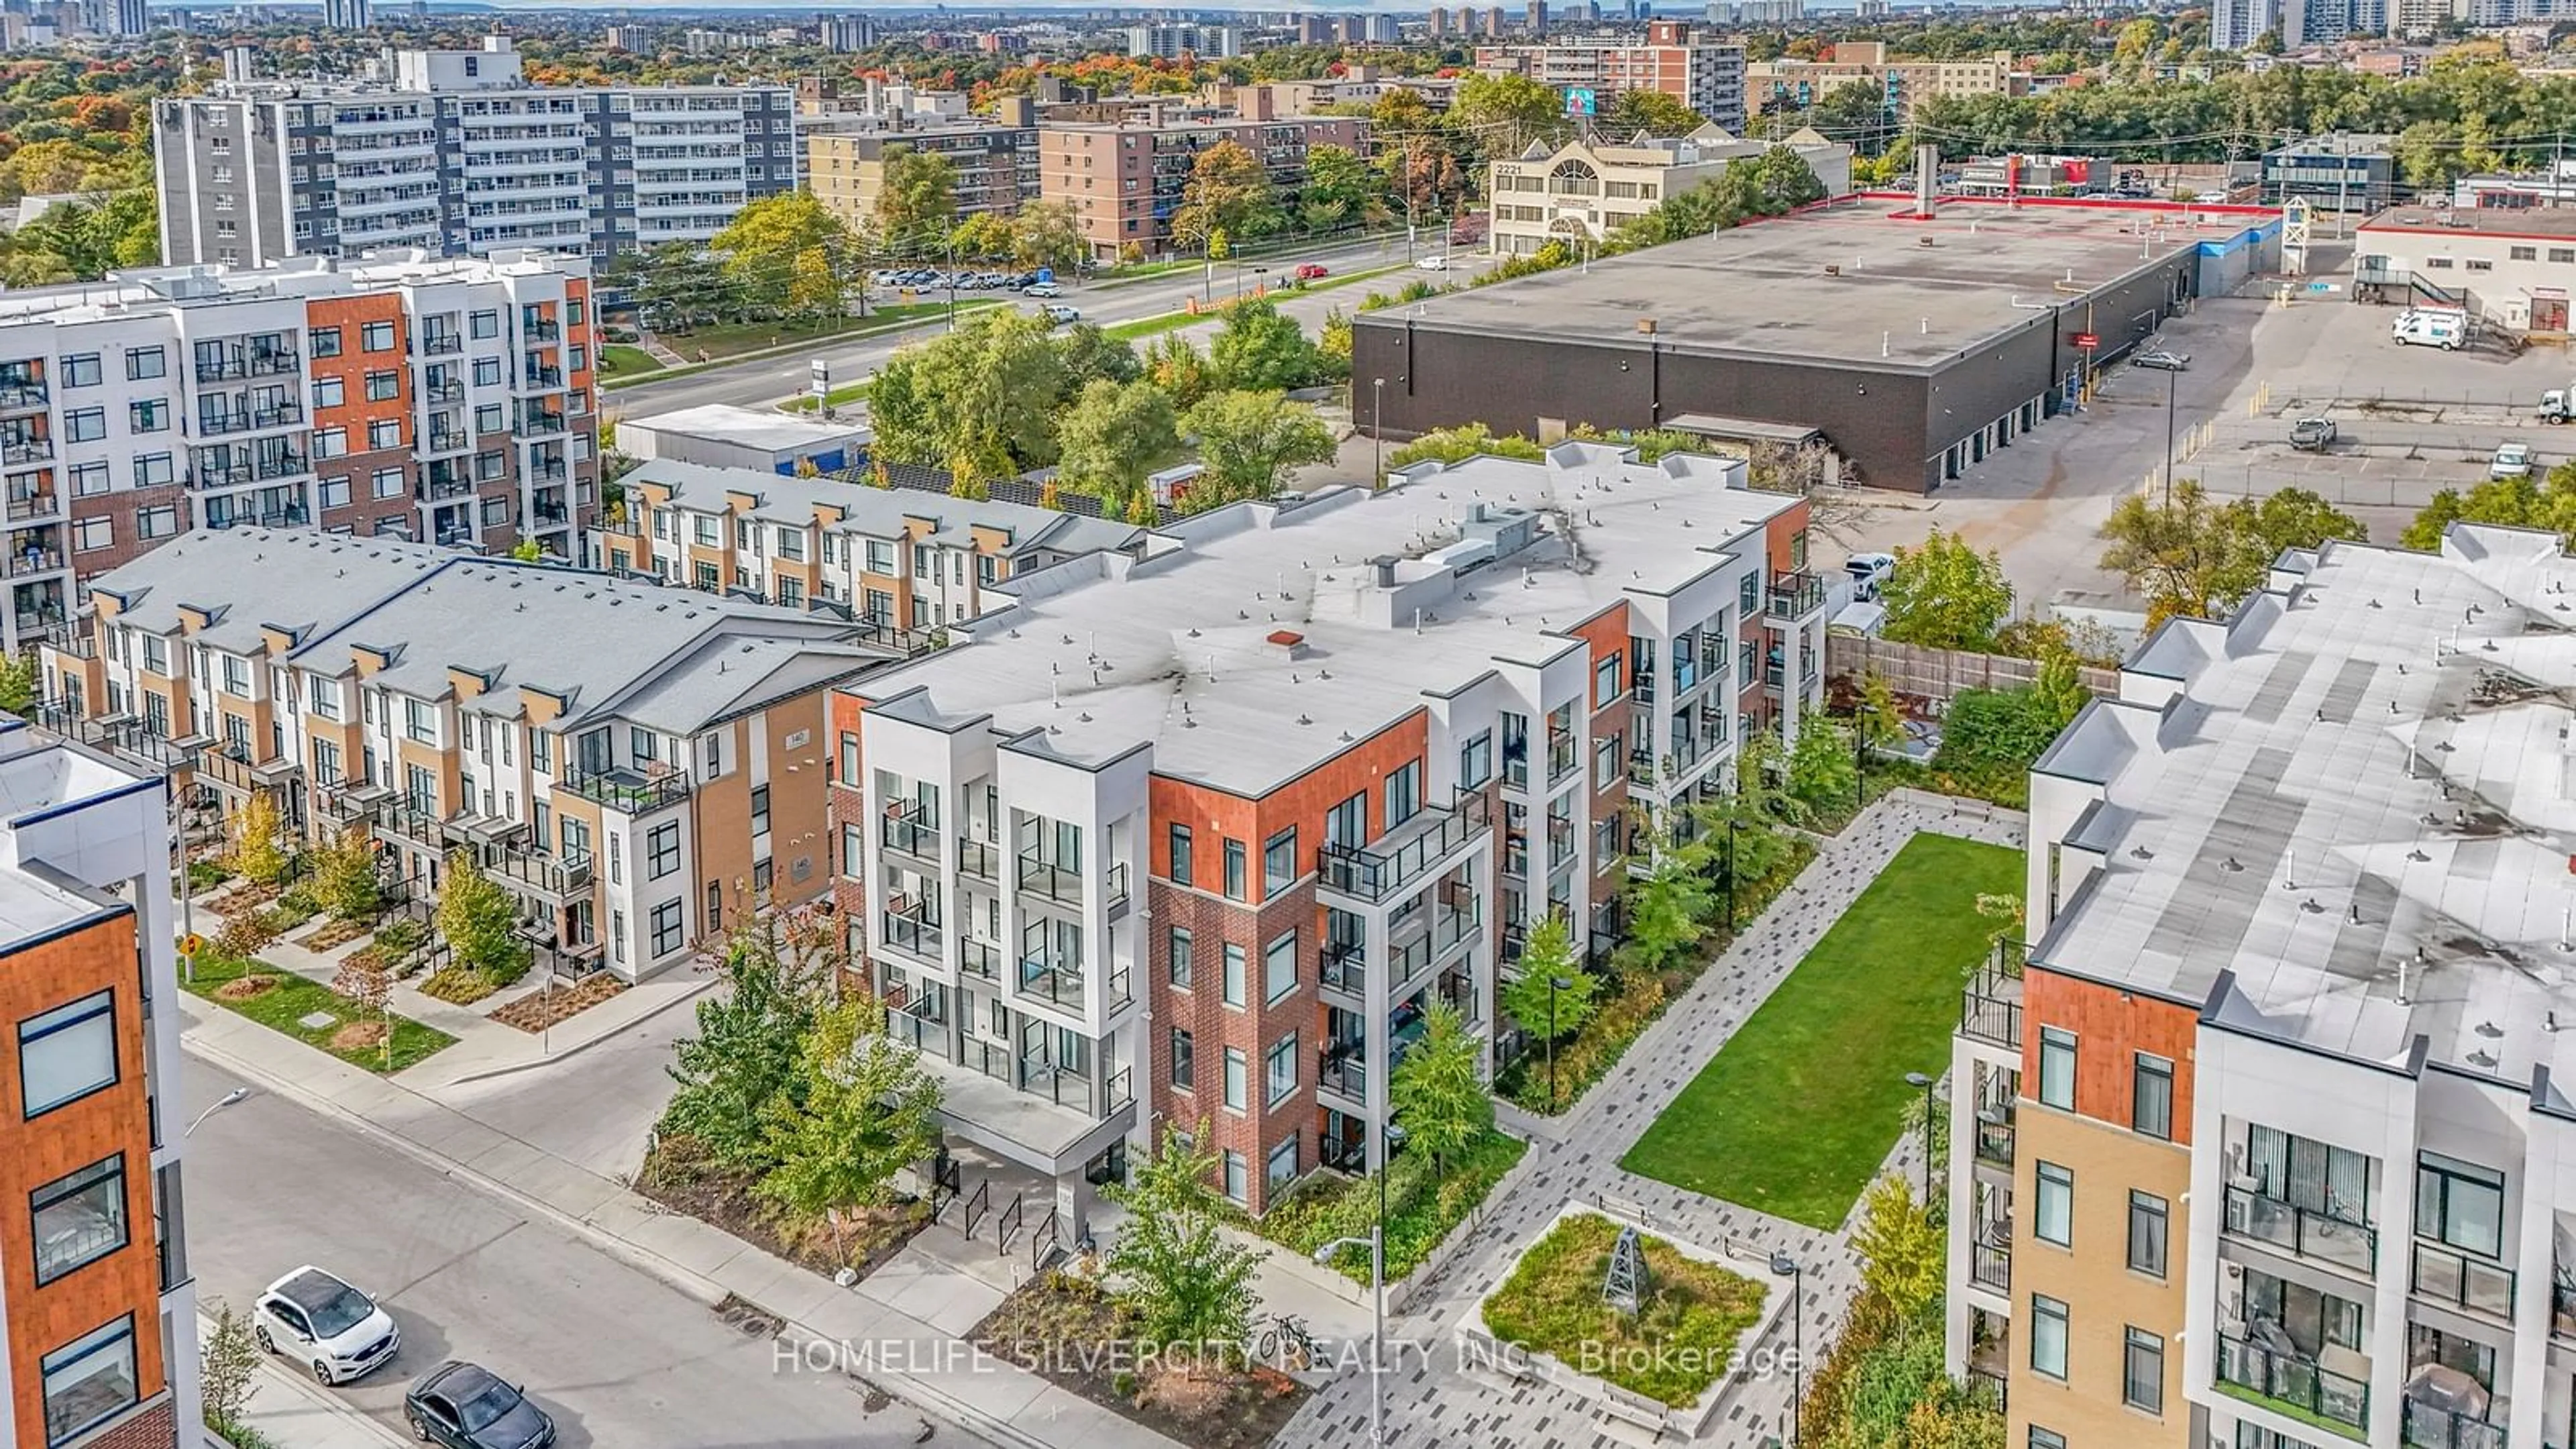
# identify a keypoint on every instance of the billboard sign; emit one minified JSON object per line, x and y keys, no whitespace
{"x":1581,"y":101}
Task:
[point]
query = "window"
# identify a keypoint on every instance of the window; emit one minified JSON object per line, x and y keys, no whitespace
{"x":2562,"y":254}
{"x":89,"y":479}
{"x":760,"y":809}
{"x":1279,"y":1071}
{"x":1403,"y":793}
{"x":331,"y":443}
{"x":1235,"y":1085}
{"x":2048,"y":1337}
{"x":2147,"y":1222}
{"x":2151,"y":1097}
{"x":487,"y":419}
{"x":484,"y":324}
{"x":81,"y":371}
{"x":1233,"y":983}
{"x":1283,"y":1163}
{"x":329,"y":392}
{"x":2057,"y":1068}
{"x":2142,"y":1384}
{"x":67,"y":1053}
{"x":1236,"y":1187}
{"x":487,"y":372}
{"x":1605,"y":682}
{"x":89,"y":1380}
{"x":666,"y":929}
{"x":80,"y":1218}
{"x":2522,"y":254}
{"x":1180,"y":847}
{"x":85,"y":425}
{"x":2481,"y":264}
{"x":236,"y":676}
{"x":384,"y":434}
{"x":89,"y":534}
{"x":390,"y":482}
{"x":326,"y":341}
{"x":1278,"y":862}
{"x":1476,"y":760}
{"x":420,"y":720}
{"x":2438,"y":263}
{"x":2056,"y":1222}
{"x":1605,"y":761}
{"x":2459,"y":1203}
{"x":2046,"y":1438}
{"x":1185,"y":1067}
{"x":376,"y":337}
{"x":147,"y":415}
{"x":1279,"y":968}
{"x":335,"y":492}
{"x":1180,"y":965}
{"x":146,"y":362}
{"x":662,"y":850}
{"x":1234,"y":870}
{"x":155,"y":470}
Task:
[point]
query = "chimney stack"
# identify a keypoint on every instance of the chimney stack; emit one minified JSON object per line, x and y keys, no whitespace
{"x":1927,"y":177}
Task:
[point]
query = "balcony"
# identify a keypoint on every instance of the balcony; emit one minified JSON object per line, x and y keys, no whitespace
{"x":280,"y":465}
{"x":1990,"y":1009}
{"x":1404,"y":856}
{"x":543,"y":331}
{"x":1345,"y":967}
{"x":2456,"y":1280}
{"x":541,"y":424}
{"x":1990,"y":1266}
{"x":1342,"y":1072}
{"x":978,"y":859}
{"x":231,"y":768}
{"x":441,"y":344}
{"x":912,"y":934}
{"x":2293,"y":1386}
{"x":979,"y":959}
{"x":1563,"y":757}
{"x":2562,"y":1311}
{"x":26,"y":450}
{"x":2299,"y":1232}
{"x":278,"y":363}
{"x":2435,"y":1426}
{"x":1795,"y":595}
{"x":632,"y":792}
{"x":243,"y":420}
{"x":1058,"y":983}
{"x":33,"y":505}
{"x":1049,"y":881}
{"x":27,"y":561}
{"x":555,"y":878}
{"x":1995,"y":1136}
{"x":22,"y":397}
{"x":904,"y":832}
{"x":404,"y":822}
{"x":544,"y":379}
{"x":449,"y":393}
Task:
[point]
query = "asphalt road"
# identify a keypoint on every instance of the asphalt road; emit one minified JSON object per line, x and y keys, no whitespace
{"x":621,"y":1360}
{"x":769,"y":380}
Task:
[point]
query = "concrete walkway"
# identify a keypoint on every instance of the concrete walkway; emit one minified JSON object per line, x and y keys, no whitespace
{"x":291,"y":1411}
{"x":897,"y":1328}
{"x":1431,"y":1398}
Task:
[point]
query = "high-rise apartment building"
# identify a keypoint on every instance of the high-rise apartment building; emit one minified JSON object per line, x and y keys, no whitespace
{"x":1171,"y":42}
{"x":455,"y":152}
{"x":2269,"y":1146}
{"x":1707,"y":76}
{"x":995,"y":166}
{"x":1437,"y":22}
{"x":2237,"y":24}
{"x":1201,"y":833}
{"x":848,"y":32}
{"x":96,"y":1302}
{"x":133,"y":17}
{"x":636,"y":764}
{"x":1124,"y":181}
{"x":348,"y":14}
{"x":448,"y":400}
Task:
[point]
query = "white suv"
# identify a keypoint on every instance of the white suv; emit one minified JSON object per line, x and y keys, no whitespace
{"x":337,"y":1331}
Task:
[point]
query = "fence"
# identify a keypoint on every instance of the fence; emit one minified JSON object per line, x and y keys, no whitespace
{"x":1940,"y":674}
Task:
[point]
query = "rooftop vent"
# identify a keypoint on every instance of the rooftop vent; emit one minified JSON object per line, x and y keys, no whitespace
{"x":1646,"y":326}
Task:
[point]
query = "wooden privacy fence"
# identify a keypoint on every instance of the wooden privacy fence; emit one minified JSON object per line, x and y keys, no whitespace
{"x":1939,"y":674}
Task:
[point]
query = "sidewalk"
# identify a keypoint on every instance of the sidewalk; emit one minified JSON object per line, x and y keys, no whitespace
{"x":895,"y":1329}
{"x":291,"y":1411}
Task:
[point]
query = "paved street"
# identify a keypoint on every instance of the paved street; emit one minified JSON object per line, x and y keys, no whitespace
{"x":770,"y":380}
{"x":591,"y":1108}
{"x":619,"y":1358}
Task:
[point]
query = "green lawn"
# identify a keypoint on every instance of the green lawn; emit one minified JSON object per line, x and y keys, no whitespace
{"x":841,"y":397}
{"x":1802,"y":1104}
{"x":283,"y":1006}
{"x":1682,"y":1339}
{"x":618,"y":360}
{"x":733,"y":339}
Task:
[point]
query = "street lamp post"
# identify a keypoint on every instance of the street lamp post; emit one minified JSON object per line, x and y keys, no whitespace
{"x":1376,"y":1244}
{"x":2169,"y":435}
{"x":226,"y":1100}
{"x":1555,"y":984}
{"x":1784,"y":1266}
{"x":1377,"y":433}
{"x":1924,"y":1084}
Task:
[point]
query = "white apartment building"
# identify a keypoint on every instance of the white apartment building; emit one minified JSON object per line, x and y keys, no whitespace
{"x":456,"y":152}
{"x":1159,"y":831}
{"x":2270,"y":1143}
{"x":1587,"y":189}
{"x":442,"y":399}
{"x":639,"y":765}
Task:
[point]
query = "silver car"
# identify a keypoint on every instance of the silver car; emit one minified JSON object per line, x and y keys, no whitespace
{"x":338,"y":1332}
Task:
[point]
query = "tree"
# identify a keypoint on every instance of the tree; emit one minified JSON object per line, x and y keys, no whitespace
{"x":366,"y":978}
{"x":1822,"y":771}
{"x":1186,"y":1283}
{"x":1179,"y":369}
{"x":1048,"y":234}
{"x":917,"y":199}
{"x":2198,"y":559}
{"x":979,"y":401}
{"x":2514,"y":502}
{"x":864,"y":1109}
{"x":1249,"y":441}
{"x":1946,"y":595}
{"x":227,"y":1371}
{"x":787,"y":253}
{"x":1089,"y":354}
{"x":1112,"y":437}
{"x":1439,"y":1087}
{"x":527,"y":550}
{"x":256,"y":855}
{"x":743,"y":1054}
{"x":344,"y":876}
{"x":2060,"y":687}
{"x":1655,"y":113}
{"x":1511,"y":111}
{"x":680,"y":286}
{"x":1900,"y":1247}
{"x":1670,"y":905}
{"x":1261,"y":349}
{"x":479,"y":921}
{"x":1548,"y":955}
{"x":1877,"y":715}
{"x":21,"y":682}
{"x":1228,"y":193}
{"x":1341,"y":190}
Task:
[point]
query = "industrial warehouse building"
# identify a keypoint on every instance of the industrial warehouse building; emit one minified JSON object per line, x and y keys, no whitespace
{"x":1911,"y":346}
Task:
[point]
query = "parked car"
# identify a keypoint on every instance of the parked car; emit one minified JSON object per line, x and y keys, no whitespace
{"x":338,"y":1332}
{"x":1433,"y":264}
{"x":465,"y":1406}
{"x":2163,"y":361}
{"x":1047,"y":290}
{"x":1869,"y":573}
{"x":2311,"y":435}
{"x":1060,"y":314}
{"x":2512,"y":460}
{"x":1312,"y":271}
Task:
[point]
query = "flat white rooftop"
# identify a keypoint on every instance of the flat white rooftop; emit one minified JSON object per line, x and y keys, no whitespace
{"x":774,"y":432}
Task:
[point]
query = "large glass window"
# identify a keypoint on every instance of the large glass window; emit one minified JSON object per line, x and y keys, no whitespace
{"x":2047,"y":1336}
{"x":1236,"y":1088}
{"x":1279,"y":968}
{"x":2151,"y":1096}
{"x":89,"y":1380}
{"x":2332,"y":1181}
{"x":1279,"y":1073}
{"x":80,"y":1218}
{"x":2056,"y":1217}
{"x":1181,"y":965}
{"x":662,"y":850}
{"x":1180,"y":852}
{"x":1235,"y":883}
{"x":2057,"y":1068}
{"x":1185,"y":1066}
{"x":2142,"y":1382}
{"x":1278,"y":862}
{"x":2148,"y":1220}
{"x":1233,"y":974}
{"x":67,"y":1053}
{"x":2459,"y":1203}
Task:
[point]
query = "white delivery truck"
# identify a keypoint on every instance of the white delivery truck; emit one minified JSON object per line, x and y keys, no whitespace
{"x":2442,"y":327}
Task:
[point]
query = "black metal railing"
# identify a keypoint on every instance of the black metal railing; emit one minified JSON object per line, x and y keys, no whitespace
{"x":1990,"y":1267}
{"x":978,"y":858}
{"x":1341,"y":1070}
{"x":1990,"y":1009}
{"x":1995,"y":1139}
{"x":22,"y":396}
{"x":1406,"y":854}
{"x":1796,"y":594}
{"x":630,"y":791}
{"x":2301,"y":1232}
{"x":1345,"y":966}
{"x":1058,"y":983}
{"x":1046,"y":879}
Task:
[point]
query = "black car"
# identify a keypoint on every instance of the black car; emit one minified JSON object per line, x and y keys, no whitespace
{"x":464,"y":1406}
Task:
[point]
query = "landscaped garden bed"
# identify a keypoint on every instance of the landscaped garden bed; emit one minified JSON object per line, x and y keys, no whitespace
{"x":1681,"y":1342}
{"x":556,"y":1004}
{"x":679,"y":1173}
{"x":1073,"y":1333}
{"x":1785,"y":1119}
{"x":334,"y":934}
{"x":283,"y":1001}
{"x":1426,"y":1202}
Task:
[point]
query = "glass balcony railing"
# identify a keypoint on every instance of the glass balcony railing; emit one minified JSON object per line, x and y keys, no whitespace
{"x":2296,"y":1386}
{"x":1344,"y":967}
{"x":2434,"y":1426}
{"x":631,"y":792}
{"x":1342,"y":1071}
{"x":1045,"y":879}
{"x":979,"y":959}
{"x":1404,"y":855}
{"x":2450,"y":1277}
{"x":911,"y":934}
{"x":904,"y":830}
{"x":2301,"y":1232}
{"x":1795,"y":595}
{"x":1059,"y":983}
{"x":979,"y":859}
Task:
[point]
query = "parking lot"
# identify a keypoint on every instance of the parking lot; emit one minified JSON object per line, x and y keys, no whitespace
{"x":2409,"y":421}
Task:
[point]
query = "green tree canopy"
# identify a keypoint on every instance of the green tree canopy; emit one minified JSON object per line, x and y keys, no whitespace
{"x":1548,"y":955}
{"x":1261,"y":349}
{"x":1509,"y":112}
{"x":1112,"y":437}
{"x":1185,"y":1282}
{"x":1249,"y":442}
{"x":787,"y":253}
{"x":1438,"y":1089}
{"x":979,"y":401}
{"x":917,"y":199}
{"x":865,"y":1109}
{"x":1655,"y":113}
{"x":1946,"y":595}
{"x":1229,"y":194}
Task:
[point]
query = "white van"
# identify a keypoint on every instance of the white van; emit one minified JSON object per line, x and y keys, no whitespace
{"x":2434,"y":327}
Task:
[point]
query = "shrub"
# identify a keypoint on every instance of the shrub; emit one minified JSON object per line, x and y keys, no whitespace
{"x":400,"y":936}
{"x":458,"y":986}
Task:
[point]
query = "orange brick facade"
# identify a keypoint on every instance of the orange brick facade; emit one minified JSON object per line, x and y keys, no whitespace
{"x":2111,"y":1027}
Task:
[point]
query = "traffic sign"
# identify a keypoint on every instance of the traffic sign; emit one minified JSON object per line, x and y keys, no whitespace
{"x":2087,"y":340}
{"x":191,"y":944}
